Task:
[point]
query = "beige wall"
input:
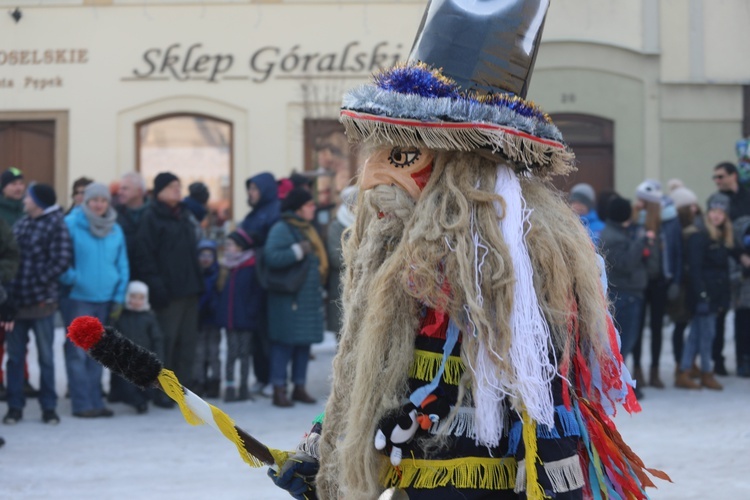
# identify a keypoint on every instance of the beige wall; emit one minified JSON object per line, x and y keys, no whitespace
{"x":649,"y":65}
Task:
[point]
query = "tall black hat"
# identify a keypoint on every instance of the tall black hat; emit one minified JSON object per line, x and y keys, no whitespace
{"x":463,"y":87}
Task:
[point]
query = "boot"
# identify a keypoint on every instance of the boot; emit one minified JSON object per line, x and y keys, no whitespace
{"x":300,"y":394}
{"x":683,"y":381}
{"x":640,"y":380}
{"x":279,"y":397}
{"x":654,"y":380}
{"x":230,"y":395}
{"x":244,"y":394}
{"x":743,"y":370}
{"x":694,"y":372}
{"x":720,"y":368}
{"x":709,"y":381}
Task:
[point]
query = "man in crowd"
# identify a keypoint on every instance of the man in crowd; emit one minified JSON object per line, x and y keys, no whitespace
{"x":46,"y":253}
{"x":166,"y":259}
{"x":582,"y":199}
{"x":9,"y":259}
{"x":11,"y":200}
{"x":726,"y":178}
{"x":263,"y":198}
{"x":131,"y":203}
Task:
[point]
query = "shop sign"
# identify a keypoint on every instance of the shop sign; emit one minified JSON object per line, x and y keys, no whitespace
{"x":190,"y":62}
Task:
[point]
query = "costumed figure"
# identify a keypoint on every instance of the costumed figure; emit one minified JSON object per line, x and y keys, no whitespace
{"x":478,"y":358}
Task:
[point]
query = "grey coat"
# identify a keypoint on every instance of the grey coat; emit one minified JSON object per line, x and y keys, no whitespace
{"x":293,"y":319}
{"x":336,"y":262}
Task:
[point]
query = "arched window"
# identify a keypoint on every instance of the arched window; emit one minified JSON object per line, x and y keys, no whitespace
{"x":196,"y":148}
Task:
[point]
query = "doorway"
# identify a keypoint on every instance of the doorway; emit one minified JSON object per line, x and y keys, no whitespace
{"x":30,"y":147}
{"x":194,"y":147}
{"x":592,"y":140}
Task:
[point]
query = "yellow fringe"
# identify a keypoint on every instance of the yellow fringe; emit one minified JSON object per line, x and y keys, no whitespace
{"x":467,"y":472}
{"x":426,"y":365}
{"x":534,"y":490}
{"x":224,"y":422}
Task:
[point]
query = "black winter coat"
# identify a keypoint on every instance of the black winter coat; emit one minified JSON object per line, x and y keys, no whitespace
{"x":166,"y":256}
{"x":707,"y":271}
{"x":142,"y":328}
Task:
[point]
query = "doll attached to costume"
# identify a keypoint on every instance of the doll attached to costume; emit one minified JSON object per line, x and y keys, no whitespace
{"x":478,"y":358}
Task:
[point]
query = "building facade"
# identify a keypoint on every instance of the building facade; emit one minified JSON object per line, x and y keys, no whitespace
{"x":220,"y":90}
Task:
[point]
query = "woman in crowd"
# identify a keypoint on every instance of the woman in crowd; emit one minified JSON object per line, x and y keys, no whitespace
{"x":98,"y":279}
{"x":707,"y":252}
{"x":657,"y":214}
{"x":295,"y":319}
{"x":688,"y":213}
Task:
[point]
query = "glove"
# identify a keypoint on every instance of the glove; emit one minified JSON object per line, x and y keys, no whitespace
{"x":398,"y":428}
{"x":701,"y":309}
{"x":673,"y":292}
{"x":297,"y":476}
{"x":115,"y":313}
{"x":306,"y":247}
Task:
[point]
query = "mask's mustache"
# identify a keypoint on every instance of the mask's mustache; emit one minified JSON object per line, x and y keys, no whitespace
{"x":389,"y":201}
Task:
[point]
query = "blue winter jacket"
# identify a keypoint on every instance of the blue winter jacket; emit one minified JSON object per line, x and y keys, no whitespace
{"x":594,"y":225}
{"x":241,"y":302}
{"x":268,"y":210}
{"x":99,"y":271}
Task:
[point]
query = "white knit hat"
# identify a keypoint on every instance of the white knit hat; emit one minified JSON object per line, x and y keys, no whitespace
{"x":138,"y":287}
{"x":649,"y":190}
{"x":682,"y":196}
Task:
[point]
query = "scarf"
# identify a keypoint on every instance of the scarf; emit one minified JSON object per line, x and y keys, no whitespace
{"x":309,"y":232}
{"x":100,"y":226}
{"x":232,"y":259}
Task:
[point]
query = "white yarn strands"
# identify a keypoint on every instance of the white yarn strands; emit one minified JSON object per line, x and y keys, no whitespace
{"x":530,"y":335}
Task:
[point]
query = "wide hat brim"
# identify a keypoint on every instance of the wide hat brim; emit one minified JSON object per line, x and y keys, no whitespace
{"x":413,"y":104}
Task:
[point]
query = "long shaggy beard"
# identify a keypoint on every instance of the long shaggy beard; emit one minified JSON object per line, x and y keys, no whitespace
{"x":428,"y":255}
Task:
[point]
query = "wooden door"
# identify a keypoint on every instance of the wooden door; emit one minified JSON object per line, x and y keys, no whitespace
{"x":30,"y":147}
{"x":592,"y":140}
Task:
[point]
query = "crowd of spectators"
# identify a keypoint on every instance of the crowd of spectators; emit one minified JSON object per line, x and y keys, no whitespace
{"x":142,"y":260}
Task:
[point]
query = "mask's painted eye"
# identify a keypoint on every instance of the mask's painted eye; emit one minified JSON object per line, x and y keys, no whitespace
{"x":403,"y":157}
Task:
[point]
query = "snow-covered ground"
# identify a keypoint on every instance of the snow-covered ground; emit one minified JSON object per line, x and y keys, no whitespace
{"x":702,"y":439}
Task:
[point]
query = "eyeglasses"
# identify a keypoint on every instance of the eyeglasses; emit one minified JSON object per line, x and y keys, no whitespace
{"x":718,"y":177}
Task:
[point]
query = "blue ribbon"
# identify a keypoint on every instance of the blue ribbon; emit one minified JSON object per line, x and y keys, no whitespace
{"x":451,"y":337}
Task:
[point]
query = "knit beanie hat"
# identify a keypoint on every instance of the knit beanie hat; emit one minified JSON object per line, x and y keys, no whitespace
{"x":649,"y":190}
{"x":95,"y":190}
{"x":242,"y":239}
{"x":300,"y":180}
{"x":619,"y":210}
{"x":583,"y":193}
{"x":43,"y":195}
{"x":720,"y":201}
{"x":10,"y":175}
{"x":138,"y":287}
{"x":199,"y":192}
{"x":682,"y":196}
{"x":295,"y":199}
{"x":163,"y":180}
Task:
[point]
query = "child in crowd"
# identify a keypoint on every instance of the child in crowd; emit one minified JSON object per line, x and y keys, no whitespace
{"x":139,"y":324}
{"x":707,"y":255}
{"x":207,"y":368}
{"x":239,"y":309}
